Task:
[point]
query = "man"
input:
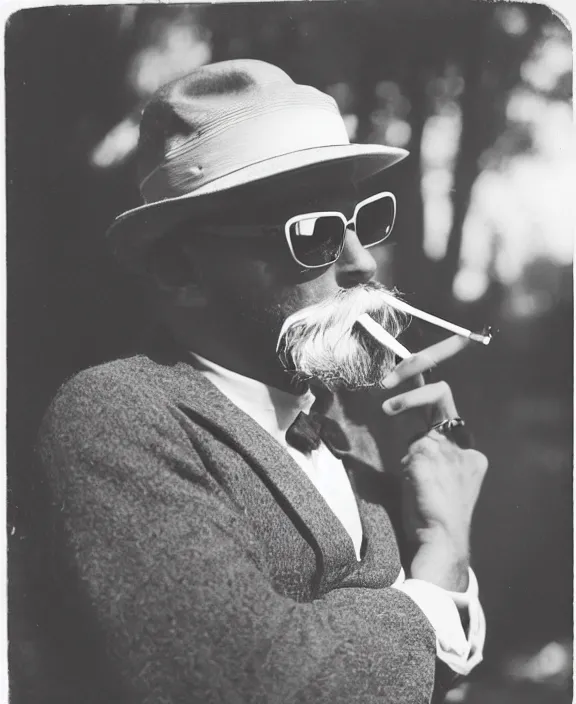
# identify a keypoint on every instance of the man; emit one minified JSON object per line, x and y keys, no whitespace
{"x":221,"y":544}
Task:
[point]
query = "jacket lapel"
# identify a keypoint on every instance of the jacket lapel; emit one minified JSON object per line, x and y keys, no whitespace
{"x":203,"y":402}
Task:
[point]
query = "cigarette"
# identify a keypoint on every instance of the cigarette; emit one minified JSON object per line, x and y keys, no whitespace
{"x":382,"y":336}
{"x":393,"y":302}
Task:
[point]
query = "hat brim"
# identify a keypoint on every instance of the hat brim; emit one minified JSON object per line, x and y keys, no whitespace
{"x":133,"y":232}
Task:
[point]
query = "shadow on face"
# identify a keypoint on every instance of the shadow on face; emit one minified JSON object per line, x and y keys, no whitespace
{"x":248,"y":273}
{"x":187,"y":252}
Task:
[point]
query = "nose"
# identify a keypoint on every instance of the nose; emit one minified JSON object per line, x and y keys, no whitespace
{"x":355,"y":265}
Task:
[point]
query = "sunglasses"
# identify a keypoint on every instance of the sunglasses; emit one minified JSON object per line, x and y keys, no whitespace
{"x":317,"y":239}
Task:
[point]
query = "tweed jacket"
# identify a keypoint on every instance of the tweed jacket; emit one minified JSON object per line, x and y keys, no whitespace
{"x":204,"y":566}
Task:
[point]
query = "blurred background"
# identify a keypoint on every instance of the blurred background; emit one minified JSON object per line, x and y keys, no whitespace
{"x":480,"y":93}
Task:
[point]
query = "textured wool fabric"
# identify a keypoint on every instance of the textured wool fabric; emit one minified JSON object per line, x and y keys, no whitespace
{"x":204,"y":565}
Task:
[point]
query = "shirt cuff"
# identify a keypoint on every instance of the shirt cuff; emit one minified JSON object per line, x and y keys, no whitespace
{"x":460,"y":652}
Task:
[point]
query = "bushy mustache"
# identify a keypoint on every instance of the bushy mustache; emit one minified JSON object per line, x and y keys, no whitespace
{"x":322,"y":342}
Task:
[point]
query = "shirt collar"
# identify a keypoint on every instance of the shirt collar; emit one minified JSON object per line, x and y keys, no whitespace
{"x":275,"y":410}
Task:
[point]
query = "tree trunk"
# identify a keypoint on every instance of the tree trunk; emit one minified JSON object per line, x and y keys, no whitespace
{"x":410,"y":263}
{"x":474,"y":138}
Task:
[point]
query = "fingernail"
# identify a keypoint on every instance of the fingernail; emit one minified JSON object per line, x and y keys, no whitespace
{"x":390,"y":406}
{"x":390,"y":381}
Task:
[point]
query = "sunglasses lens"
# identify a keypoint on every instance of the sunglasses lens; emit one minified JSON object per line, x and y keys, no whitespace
{"x":318,"y":240}
{"x":374,"y":220}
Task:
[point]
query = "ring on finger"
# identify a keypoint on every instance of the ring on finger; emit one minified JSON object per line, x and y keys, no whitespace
{"x":455,"y":429}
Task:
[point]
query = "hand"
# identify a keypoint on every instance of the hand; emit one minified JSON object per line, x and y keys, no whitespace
{"x":442,"y":480}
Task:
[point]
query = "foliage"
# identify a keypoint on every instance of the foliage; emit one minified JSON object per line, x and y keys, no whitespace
{"x":76,"y":74}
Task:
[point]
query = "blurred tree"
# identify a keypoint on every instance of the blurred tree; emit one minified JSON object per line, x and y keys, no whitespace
{"x":354,"y":48}
{"x":490,"y":62}
{"x":74,"y":75}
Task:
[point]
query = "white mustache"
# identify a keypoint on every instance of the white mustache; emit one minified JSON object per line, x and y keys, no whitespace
{"x":323,"y":342}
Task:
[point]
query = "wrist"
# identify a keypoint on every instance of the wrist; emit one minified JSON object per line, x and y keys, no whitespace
{"x":443,"y":561}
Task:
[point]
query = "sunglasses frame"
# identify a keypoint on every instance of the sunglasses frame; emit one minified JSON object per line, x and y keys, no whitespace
{"x":266,"y":230}
{"x":346,"y":223}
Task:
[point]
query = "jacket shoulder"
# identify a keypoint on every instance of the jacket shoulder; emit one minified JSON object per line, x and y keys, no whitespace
{"x":133,"y":377}
{"x":122,"y":391}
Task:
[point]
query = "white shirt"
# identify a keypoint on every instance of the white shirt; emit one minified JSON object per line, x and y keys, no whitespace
{"x":275,"y":411}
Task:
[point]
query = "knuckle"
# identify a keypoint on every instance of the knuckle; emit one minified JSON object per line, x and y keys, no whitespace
{"x":424,"y":360}
{"x":406,"y":366}
{"x":425,"y":445}
{"x":482,"y":463}
{"x":407,"y":363}
{"x":444,"y":388}
{"x":478,"y":460}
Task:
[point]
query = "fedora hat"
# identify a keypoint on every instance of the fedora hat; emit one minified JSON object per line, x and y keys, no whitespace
{"x":226,"y":127}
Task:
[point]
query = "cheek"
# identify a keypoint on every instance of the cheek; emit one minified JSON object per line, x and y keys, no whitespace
{"x":268,"y":286}
{"x":235,"y":284}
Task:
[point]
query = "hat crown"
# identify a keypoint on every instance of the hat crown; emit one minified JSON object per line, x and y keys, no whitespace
{"x":224,"y":116}
{"x":211,"y":137}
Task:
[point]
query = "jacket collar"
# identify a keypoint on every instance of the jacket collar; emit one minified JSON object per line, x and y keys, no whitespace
{"x":275,"y":410}
{"x":200,"y":400}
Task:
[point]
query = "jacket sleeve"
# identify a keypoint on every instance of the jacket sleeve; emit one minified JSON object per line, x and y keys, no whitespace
{"x":173,"y":577}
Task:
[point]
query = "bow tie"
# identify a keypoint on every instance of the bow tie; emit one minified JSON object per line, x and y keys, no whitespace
{"x":310,"y":429}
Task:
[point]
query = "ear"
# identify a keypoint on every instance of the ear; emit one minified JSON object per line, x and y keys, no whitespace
{"x":183,"y":292}
{"x":176,"y":278}
{"x":189,"y":295}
